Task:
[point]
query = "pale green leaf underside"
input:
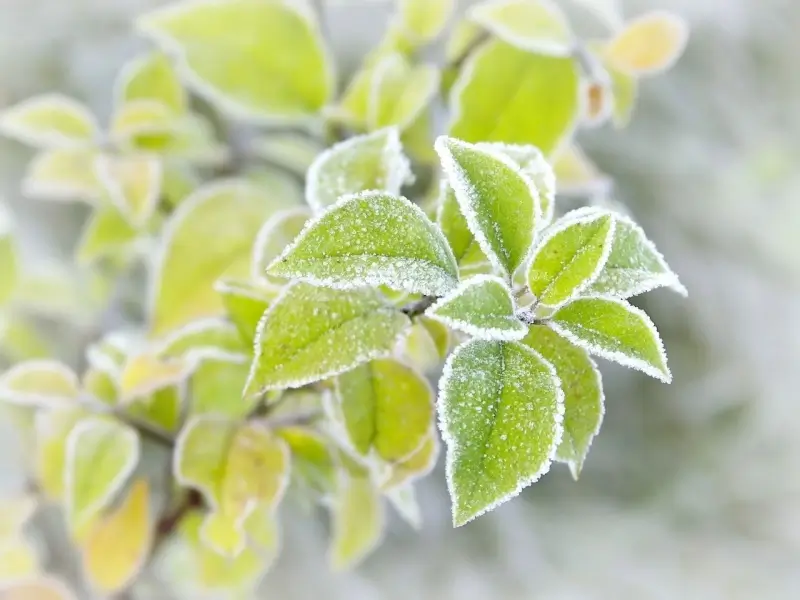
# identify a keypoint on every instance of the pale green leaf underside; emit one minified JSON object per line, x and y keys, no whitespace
{"x":569,"y":257}
{"x":500,"y":204}
{"x":482,"y":306}
{"x":500,"y":411}
{"x":583,"y":393}
{"x":387,"y":406}
{"x":311,"y":333}
{"x":505,"y":94}
{"x":230,"y":49}
{"x":614,"y":330}
{"x":372,"y":238}
{"x":531,"y":25}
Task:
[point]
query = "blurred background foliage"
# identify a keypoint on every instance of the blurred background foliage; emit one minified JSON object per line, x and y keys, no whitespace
{"x":692,"y":490}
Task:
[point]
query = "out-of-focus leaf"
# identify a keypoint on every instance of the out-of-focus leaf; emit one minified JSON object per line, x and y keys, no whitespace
{"x":49,"y":121}
{"x":40,"y":383}
{"x":649,"y":44}
{"x":151,"y":77}
{"x":62,"y":174}
{"x":531,"y":25}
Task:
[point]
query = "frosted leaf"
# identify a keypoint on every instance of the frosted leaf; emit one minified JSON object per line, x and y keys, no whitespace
{"x":425,"y":346}
{"x":43,"y":382}
{"x":100,"y":456}
{"x":414,"y":467}
{"x":634,"y":266}
{"x":423,"y":20}
{"x":648,"y":44}
{"x":145,"y":373}
{"x":500,"y":203}
{"x":224,"y":534}
{"x":500,"y":411}
{"x":206,"y":338}
{"x":584,"y":403}
{"x":106,"y":234}
{"x":404,"y":500}
{"x":481,"y":306}
{"x":531,"y":25}
{"x":386,"y":406}
{"x":368,"y":162}
{"x":245,"y":304}
{"x":132,"y":183}
{"x":279,"y":231}
{"x":311,"y":333}
{"x":466,"y":250}
{"x":372,"y":238}
{"x":532,"y":163}
{"x":150,"y":78}
{"x":613,"y":329}
{"x":293,"y":151}
{"x":63,"y":174}
{"x":51,"y":431}
{"x":216,"y":388}
{"x":400,"y":92}
{"x":570,"y":256}
{"x":50,"y":121}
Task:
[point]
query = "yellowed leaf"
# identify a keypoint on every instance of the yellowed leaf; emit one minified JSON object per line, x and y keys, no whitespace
{"x":38,"y":588}
{"x":648,"y":44}
{"x":132,"y":184}
{"x":144,"y":373}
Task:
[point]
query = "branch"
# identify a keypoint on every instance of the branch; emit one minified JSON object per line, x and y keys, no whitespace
{"x":415,"y":309}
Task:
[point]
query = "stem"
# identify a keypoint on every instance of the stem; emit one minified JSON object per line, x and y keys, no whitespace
{"x":415,"y":309}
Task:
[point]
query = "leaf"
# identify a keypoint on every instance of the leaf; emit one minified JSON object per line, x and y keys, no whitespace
{"x":40,"y":383}
{"x":400,"y":92}
{"x":501,"y":205}
{"x":217,"y":386}
{"x":453,"y":224}
{"x":649,"y":44}
{"x":49,"y":121}
{"x":106,"y":234}
{"x":62,"y":174}
{"x":614,"y":330}
{"x":463,"y":38}
{"x":15,"y":513}
{"x":9,"y":262}
{"x":18,"y":561}
{"x":101,"y":455}
{"x":117,"y":545}
{"x":419,"y":350}
{"x":634,"y":265}
{"x":293,"y":151}
{"x":263,"y":533}
{"x":132,"y":183}
{"x":102,"y":386}
{"x":374,"y":161}
{"x":208,"y":237}
{"x":207,"y":338}
{"x":386,"y":406}
{"x":296,"y":338}
{"x":245,"y":304}
{"x":162,"y":408}
{"x":500,"y":412}
{"x":358,"y":517}
{"x":584,"y":403}
{"x":140,"y":119}
{"x":504,"y":94}
{"x":483,"y":307}
{"x":39,"y":588}
{"x":278,"y":232}
{"x":577,"y":174}
{"x":52,"y":428}
{"x":152,"y":78}
{"x":145,"y":373}
{"x":227,"y":50}
{"x":533,"y":164}
{"x":397,"y":246}
{"x":570,"y":256}
{"x":236,"y":466}
{"x":531,"y":25}
{"x":608,"y":11}
{"x":224,"y":534}
{"x":311,"y":458}
{"x":417,"y":465}
{"x":405,"y":502}
{"x":423,"y":20}
{"x":625,"y":92}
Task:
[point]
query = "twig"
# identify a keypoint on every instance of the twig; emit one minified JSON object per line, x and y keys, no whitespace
{"x":415,"y":309}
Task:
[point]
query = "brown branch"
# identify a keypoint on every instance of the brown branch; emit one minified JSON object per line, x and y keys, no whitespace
{"x":415,"y":309}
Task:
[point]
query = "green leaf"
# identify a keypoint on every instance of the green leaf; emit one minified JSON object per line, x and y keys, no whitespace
{"x":500,"y":203}
{"x":162,"y":408}
{"x":9,"y":262}
{"x":634,"y":265}
{"x":423,"y":20}
{"x":311,"y":458}
{"x":293,"y":151}
{"x":236,"y":466}
{"x":209,"y":237}
{"x":63,"y":174}
{"x":206,"y":338}
{"x":359,"y":519}
{"x":368,"y":162}
{"x":151,"y":77}
{"x":227,"y":50}
{"x":625,"y":90}
{"x":613,"y":329}
{"x":21,"y":340}
{"x":500,"y":411}
{"x":101,"y":455}
{"x":47,"y":383}
{"x":531,"y":25}
{"x":245,"y":304}
{"x":52,"y":428}
{"x":420,"y":349}
{"x":464,"y":36}
{"x":145,"y":373}
{"x":505,"y":94}
{"x":481,"y":306}
{"x":570,"y":256}
{"x":50,"y":121}
{"x":216,"y":387}
{"x":583,"y":393}
{"x":404,"y":500}
{"x":386,"y":406}
{"x":397,"y":246}
{"x":102,"y":385}
{"x":532,"y":163}
{"x":297,"y":334}
{"x":415,"y":466}
{"x":278,"y":232}
{"x":400,"y":92}
{"x":106,"y":234}
{"x":132,"y":183}
{"x":223,"y":534}
{"x":141,"y":119}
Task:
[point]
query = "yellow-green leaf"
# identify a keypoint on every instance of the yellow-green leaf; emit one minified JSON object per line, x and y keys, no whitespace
{"x":423,"y":20}
{"x":227,"y":50}
{"x":145,"y":373}
{"x":576,"y":173}
{"x":150,"y":77}
{"x":278,"y":232}
{"x":18,"y":561}
{"x":40,"y":383}
{"x":358,"y":516}
{"x":141,"y":118}
{"x":217,"y":385}
{"x":9,"y":262}
{"x":245,"y":304}
{"x":49,"y":121}
{"x":107,"y":233}
{"x":505,"y":94}
{"x":648,"y":44}
{"x":52,"y":428}
{"x":63,"y":174}
{"x":419,"y":464}
{"x":223,"y":533}
{"x":132,"y":184}
{"x":207,"y":338}
{"x":531,"y":25}
{"x":400,"y":92}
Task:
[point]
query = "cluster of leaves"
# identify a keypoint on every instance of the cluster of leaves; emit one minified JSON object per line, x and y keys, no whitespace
{"x":298,"y":306}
